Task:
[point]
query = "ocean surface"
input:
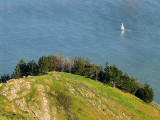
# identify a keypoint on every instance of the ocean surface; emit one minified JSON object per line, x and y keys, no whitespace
{"x":30,"y":29}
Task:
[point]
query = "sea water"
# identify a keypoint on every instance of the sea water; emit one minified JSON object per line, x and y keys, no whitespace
{"x":30,"y":29}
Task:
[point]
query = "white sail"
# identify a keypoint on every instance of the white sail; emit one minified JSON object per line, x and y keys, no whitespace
{"x":122,"y":27}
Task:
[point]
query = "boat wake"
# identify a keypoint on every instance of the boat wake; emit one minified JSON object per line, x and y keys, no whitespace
{"x":128,"y":30}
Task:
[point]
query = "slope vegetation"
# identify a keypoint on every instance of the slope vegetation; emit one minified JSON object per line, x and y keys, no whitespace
{"x":60,"y":96}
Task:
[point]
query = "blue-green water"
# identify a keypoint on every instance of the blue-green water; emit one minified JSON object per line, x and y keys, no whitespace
{"x":33,"y":28}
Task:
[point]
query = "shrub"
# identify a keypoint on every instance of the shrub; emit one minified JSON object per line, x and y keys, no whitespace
{"x":145,"y":93}
{"x":65,"y":101}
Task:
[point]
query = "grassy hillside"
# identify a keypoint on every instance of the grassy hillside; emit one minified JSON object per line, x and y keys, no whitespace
{"x":60,"y":96}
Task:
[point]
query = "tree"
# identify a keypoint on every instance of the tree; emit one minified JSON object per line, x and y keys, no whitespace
{"x":72,"y":63}
{"x":145,"y":93}
{"x":4,"y":78}
{"x":101,"y":74}
{"x":61,"y":63}
{"x":126,"y":84}
{"x":113,"y":75}
{"x":32,"y":68}
{"x":58,"y":62}
{"x":96,"y":76}
{"x":85,"y":68}
{"x":22,"y":65}
{"x":67,"y":65}
{"x":106,"y":74}
{"x":90,"y":70}
{"x":148,"y":92}
{"x":118,"y":75}
{"x":51,"y":63}
{"x":79,"y":66}
{"x":43,"y":64}
{"x":134,"y":85}
{"x":17,"y":72}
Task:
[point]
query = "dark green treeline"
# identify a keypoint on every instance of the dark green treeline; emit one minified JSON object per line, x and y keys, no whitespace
{"x":110,"y":75}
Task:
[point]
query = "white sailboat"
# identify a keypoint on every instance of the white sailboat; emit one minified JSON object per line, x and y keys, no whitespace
{"x":122,"y":27}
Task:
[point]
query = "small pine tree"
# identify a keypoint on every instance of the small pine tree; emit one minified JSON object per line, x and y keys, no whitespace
{"x":17,"y":72}
{"x":148,"y":93}
{"x":107,"y":74}
{"x":101,"y":74}
{"x":32,"y":68}
{"x":145,"y":93}
{"x":23,"y":66}
{"x":113,"y":75}
{"x":79,"y":66}
{"x":90,"y":70}
{"x":43,"y":64}
{"x":4,"y":78}
{"x":134,"y":85}
{"x":126,"y":84}
{"x":51,"y":63}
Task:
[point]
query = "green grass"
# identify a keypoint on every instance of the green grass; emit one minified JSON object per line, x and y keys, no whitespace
{"x":78,"y":98}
